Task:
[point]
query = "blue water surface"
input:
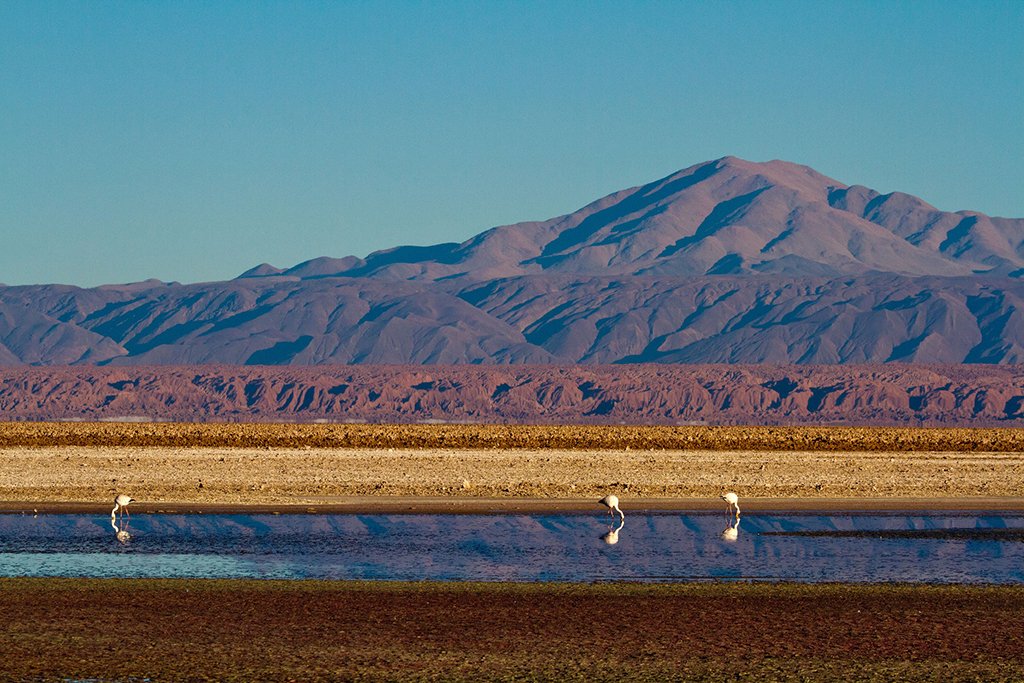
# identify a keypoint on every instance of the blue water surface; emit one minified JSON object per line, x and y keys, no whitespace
{"x":665,"y":547}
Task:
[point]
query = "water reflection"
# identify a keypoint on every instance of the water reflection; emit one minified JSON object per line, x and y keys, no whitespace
{"x":612,"y":537}
{"x":977,"y":534}
{"x":732,"y":532}
{"x":925,"y":547}
{"x":120,"y":532}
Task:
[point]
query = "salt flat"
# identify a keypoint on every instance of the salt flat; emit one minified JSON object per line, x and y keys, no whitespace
{"x":472,"y":478}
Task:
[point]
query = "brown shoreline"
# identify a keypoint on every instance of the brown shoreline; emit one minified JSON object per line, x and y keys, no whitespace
{"x":397,"y":505}
{"x":538,"y":480}
{"x":489,"y":469}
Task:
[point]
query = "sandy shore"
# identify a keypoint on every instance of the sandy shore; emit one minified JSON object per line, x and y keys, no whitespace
{"x":467,"y":480}
{"x":480,"y":468}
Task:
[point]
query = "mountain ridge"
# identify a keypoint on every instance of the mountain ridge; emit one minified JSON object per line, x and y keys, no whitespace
{"x":894,"y":394}
{"x":727,"y":216}
{"x":727,"y":261}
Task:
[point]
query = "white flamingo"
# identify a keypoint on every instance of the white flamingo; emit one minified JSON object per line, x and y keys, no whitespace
{"x":121,"y":503}
{"x":733,"y":500}
{"x":611,"y":501}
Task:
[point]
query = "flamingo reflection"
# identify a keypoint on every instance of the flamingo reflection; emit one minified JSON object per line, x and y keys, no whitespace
{"x":732,"y":532}
{"x":612,"y":537}
{"x":120,"y":532}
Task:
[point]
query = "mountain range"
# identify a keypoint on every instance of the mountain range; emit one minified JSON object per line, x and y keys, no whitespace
{"x":651,"y":394}
{"x":728,"y":261}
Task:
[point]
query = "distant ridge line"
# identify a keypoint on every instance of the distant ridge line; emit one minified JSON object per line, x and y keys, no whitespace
{"x":645,"y":394}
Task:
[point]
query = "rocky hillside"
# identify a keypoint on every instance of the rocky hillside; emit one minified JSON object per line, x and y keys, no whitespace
{"x":652,"y":394}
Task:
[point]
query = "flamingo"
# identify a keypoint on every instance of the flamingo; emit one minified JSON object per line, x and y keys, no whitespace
{"x":611,"y":501}
{"x":121,"y":502}
{"x":733,"y":500}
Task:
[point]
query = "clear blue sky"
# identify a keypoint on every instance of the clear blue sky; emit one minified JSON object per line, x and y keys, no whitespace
{"x":192,"y":140}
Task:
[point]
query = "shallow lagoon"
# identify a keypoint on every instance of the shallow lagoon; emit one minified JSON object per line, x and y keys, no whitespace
{"x":938,"y":547}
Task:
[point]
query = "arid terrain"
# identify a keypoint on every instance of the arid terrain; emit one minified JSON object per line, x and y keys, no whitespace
{"x":466,"y":436}
{"x":639,"y":394}
{"x":478,"y":467}
{"x":181,"y":630}
{"x":315,"y":476}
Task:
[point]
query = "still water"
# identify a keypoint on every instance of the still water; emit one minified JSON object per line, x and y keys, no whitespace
{"x":853,"y":547}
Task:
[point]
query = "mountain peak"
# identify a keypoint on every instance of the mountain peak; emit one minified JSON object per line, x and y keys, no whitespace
{"x":262,"y":270}
{"x":725,"y":216}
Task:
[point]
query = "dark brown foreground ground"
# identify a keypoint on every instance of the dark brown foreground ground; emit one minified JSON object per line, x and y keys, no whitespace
{"x":171,"y":630}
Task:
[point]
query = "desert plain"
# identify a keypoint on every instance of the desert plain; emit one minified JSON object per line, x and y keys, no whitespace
{"x":129,"y":629}
{"x":81,"y":466}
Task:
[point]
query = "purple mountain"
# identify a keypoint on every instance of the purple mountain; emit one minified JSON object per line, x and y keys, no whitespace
{"x":725,"y":217}
{"x":726,"y":261}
